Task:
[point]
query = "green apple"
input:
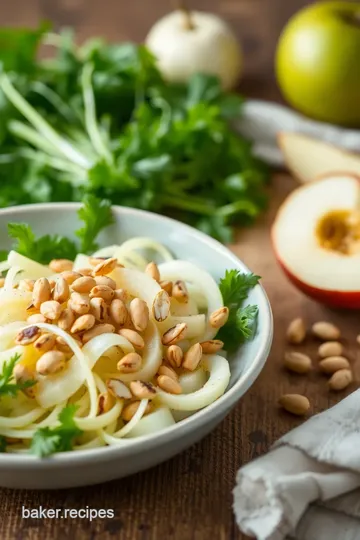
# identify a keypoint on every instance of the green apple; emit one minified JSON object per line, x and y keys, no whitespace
{"x":318,"y":62}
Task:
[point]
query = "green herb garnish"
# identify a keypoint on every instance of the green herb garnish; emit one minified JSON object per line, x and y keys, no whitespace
{"x":8,"y":386}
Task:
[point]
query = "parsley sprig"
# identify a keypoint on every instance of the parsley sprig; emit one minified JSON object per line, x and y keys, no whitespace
{"x":8,"y":386}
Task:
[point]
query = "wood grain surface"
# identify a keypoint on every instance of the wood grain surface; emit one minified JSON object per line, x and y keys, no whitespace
{"x":189,"y":497}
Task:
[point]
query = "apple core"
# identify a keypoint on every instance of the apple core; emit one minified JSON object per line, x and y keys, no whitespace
{"x":339,"y":230}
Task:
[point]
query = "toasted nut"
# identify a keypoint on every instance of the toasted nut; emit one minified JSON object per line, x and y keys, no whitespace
{"x":211,"y":346}
{"x":61,"y":265}
{"x":51,"y":362}
{"x":129,"y":411}
{"x":45,"y":342}
{"x":219,"y":317}
{"x":118,"y":389}
{"x":297,"y":362}
{"x":97,"y":330}
{"x":83,"y":284}
{"x":105,"y":280}
{"x":85,"y":271}
{"x":296,"y":331}
{"x":62,"y":346}
{"x":180,"y":292}
{"x":105,"y":402}
{"x":168,"y":371}
{"x":121,"y":294}
{"x":330,"y":348}
{"x":23,"y":374}
{"x":152,"y":270}
{"x":118,"y":312}
{"x":70,"y":276}
{"x":295,"y":404}
{"x":168,"y":384}
{"x":174,"y":334}
{"x":192,"y":357}
{"x":36,"y":318}
{"x":79,"y":303}
{"x":331,"y":364}
{"x":26,"y":285}
{"x":167,"y":286}
{"x":51,"y":310}
{"x":325,"y":331}
{"x":41,"y":292}
{"x":174,"y":356}
{"x":340,"y":379}
{"x":105,"y":267}
{"x":102,"y":291}
{"x":143,"y":390}
{"x":130,"y":363}
{"x":133,"y":337}
{"x":139,"y":313}
{"x":2,"y":282}
{"x":94,"y":261}
{"x":61,"y":291}
{"x":100,"y":309}
{"x":28,"y":335}
{"x":161,"y":306}
{"x":83,"y":324}
{"x":66,"y":319}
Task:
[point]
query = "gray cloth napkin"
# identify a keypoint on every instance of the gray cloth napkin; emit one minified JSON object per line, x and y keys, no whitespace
{"x":261,"y":121}
{"x":308,"y":486}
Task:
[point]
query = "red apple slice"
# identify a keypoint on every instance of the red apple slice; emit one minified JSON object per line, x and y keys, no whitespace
{"x":316,"y":238}
{"x":309,"y":158}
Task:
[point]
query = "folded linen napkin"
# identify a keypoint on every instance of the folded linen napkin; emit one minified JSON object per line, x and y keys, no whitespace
{"x":261,"y":121}
{"x":308,"y":486}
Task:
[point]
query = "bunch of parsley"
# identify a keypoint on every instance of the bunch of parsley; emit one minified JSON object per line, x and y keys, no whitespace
{"x":100,"y":119}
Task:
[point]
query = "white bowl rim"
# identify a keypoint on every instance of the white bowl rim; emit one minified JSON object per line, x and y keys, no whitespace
{"x":221,"y":405}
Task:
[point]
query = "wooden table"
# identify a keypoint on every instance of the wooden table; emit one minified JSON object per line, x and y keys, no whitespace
{"x":189,"y":497}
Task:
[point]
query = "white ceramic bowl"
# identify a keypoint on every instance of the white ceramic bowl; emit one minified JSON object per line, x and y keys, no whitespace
{"x":98,"y":465}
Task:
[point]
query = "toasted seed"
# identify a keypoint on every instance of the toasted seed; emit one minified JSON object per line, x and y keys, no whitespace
{"x":192,"y":357}
{"x":51,"y":310}
{"x":79,"y":303}
{"x":105,"y":267}
{"x":51,"y":362}
{"x":23,"y":374}
{"x":296,"y":331}
{"x":161,"y":306}
{"x":102,"y":291}
{"x":130,"y":363}
{"x":61,"y":291}
{"x":83,"y":284}
{"x":180,"y":292}
{"x":97,"y":330}
{"x":331,"y":364}
{"x":139,"y":313}
{"x":26,"y":285}
{"x":129,"y":411}
{"x":297,"y":362}
{"x":174,"y":334}
{"x":219,"y":317}
{"x":118,"y":312}
{"x":66,"y":319}
{"x":105,"y":402}
{"x":41,"y":292}
{"x":340,"y":379}
{"x":133,"y":337}
{"x":295,"y":404}
{"x":121,"y":294}
{"x":70,"y":276}
{"x":2,"y":282}
{"x":330,"y":348}
{"x":61,"y":265}
{"x":62,"y":346}
{"x":118,"y":389}
{"x":325,"y":331}
{"x":168,"y":384}
{"x":83,"y":323}
{"x":100,"y":309}
{"x":45,"y":342}
{"x":105,"y":280}
{"x":28,"y":335}
{"x":211,"y":346}
{"x":152,"y":270}
{"x":167,"y":286}
{"x":174,"y":355}
{"x":36,"y":318}
{"x":168,"y":371}
{"x":142,"y":390}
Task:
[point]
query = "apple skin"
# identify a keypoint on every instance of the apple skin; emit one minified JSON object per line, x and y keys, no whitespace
{"x":318,"y":62}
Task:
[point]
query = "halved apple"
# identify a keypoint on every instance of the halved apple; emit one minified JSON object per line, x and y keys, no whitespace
{"x":309,"y":158}
{"x":316,"y":238}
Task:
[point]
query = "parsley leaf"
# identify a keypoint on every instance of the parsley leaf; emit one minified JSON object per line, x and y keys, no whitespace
{"x":96,"y":215}
{"x":49,"y":440}
{"x":7,"y":385}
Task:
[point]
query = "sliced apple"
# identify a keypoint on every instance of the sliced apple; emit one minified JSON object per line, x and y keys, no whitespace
{"x":309,"y":158}
{"x":316,"y":238}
